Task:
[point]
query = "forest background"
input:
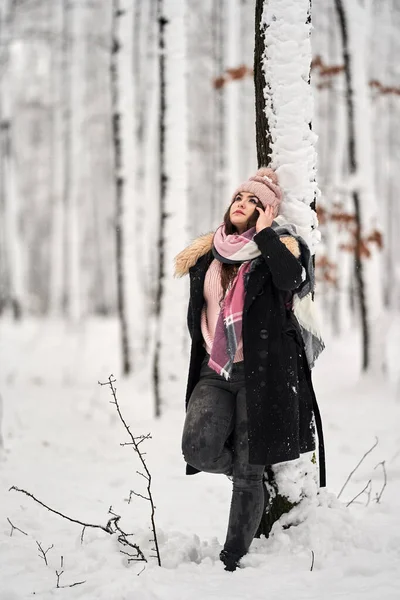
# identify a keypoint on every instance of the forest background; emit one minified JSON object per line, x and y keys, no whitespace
{"x":126,"y":125}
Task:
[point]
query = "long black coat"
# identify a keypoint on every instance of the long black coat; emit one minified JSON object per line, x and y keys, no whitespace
{"x":279,"y":391}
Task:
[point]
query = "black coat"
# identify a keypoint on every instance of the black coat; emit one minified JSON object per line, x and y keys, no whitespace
{"x":279,"y":391}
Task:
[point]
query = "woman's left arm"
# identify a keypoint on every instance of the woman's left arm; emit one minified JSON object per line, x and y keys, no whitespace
{"x":282,"y":257}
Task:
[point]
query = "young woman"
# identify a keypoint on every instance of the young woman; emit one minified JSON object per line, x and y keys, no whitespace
{"x":249,"y":395}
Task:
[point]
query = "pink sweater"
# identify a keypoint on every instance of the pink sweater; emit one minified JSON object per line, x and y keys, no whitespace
{"x":209,"y":316}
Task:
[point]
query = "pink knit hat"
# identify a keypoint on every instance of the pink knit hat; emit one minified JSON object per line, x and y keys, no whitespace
{"x":264,"y":185}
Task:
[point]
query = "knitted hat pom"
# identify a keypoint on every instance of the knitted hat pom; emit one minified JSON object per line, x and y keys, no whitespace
{"x":267,"y":172}
{"x":264,"y":185}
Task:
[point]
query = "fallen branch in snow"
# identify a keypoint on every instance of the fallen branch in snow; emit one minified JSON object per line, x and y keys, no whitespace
{"x":16,"y":528}
{"x":356,"y":467}
{"x":112,"y":527}
{"x":43,"y":553}
{"x":379,"y":496}
{"x":135,"y":443}
{"x":59,"y":573}
{"x":368,"y":486}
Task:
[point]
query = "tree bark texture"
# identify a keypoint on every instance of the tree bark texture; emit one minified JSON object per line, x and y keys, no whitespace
{"x":119,"y":188}
{"x":263,"y":135}
{"x":279,"y":503}
{"x":162,"y":22}
{"x":358,"y":264}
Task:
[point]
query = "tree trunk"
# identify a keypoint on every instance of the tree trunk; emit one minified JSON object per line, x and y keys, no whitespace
{"x":358,"y":264}
{"x":263,"y":134}
{"x":60,"y":156}
{"x":11,"y":203}
{"x":275,"y":89}
{"x":119,"y":187}
{"x":162,"y":22}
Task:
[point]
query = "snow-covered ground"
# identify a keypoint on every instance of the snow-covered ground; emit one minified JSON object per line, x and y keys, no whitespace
{"x":62,"y":443}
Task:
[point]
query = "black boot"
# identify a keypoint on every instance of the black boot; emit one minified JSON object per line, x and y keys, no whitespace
{"x":230,"y":560}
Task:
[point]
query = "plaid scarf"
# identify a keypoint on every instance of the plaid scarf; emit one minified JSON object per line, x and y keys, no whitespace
{"x":241,"y":249}
{"x":231,"y":249}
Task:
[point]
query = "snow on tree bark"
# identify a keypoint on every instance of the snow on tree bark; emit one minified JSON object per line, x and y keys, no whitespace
{"x":354,"y":23}
{"x":60,"y":156}
{"x":11,"y":201}
{"x":286,"y":141}
{"x":173,"y":352}
{"x":76,"y":190}
{"x":162,"y":215}
{"x":120,"y":216}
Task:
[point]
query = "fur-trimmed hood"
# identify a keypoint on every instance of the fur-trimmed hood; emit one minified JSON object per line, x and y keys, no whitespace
{"x":203,"y":244}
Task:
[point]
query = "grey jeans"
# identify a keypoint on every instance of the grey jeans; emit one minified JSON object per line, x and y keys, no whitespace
{"x":215,"y":440}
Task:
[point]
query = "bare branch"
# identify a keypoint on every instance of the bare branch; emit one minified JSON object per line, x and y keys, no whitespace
{"x":379,"y":496}
{"x":56,"y":512}
{"x":132,"y":493}
{"x":357,"y":466}
{"x":16,"y":528}
{"x":362,"y":491}
{"x":43,"y":553}
{"x":135,"y":444}
{"x":312,"y":560}
{"x":111,"y":528}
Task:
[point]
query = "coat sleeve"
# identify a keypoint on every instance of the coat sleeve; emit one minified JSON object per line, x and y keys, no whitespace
{"x":285,"y":268}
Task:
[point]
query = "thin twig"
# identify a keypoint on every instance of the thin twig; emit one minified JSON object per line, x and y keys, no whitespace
{"x":359,"y":463}
{"x":358,"y":495}
{"x":111,"y":528}
{"x":16,"y":528}
{"x":43,"y":553}
{"x":71,"y":584}
{"x":59,"y":573}
{"x":56,"y":512}
{"x":379,"y":496}
{"x":146,"y":474}
{"x":132,"y":493}
{"x":312,"y":560}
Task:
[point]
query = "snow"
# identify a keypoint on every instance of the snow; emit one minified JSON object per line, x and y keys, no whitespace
{"x":289,"y":109}
{"x":62,"y":443}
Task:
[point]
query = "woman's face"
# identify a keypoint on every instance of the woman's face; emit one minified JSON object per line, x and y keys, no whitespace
{"x":242,"y":208}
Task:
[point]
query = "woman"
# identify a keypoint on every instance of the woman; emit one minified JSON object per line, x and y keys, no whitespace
{"x":249,"y":395}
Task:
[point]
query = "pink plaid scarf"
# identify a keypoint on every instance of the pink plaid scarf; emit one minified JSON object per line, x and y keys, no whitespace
{"x":231,"y":249}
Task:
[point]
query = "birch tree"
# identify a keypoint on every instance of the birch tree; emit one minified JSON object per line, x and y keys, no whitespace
{"x":60,"y":155}
{"x":159,"y":297}
{"x":9,"y":188}
{"x":76,"y":189}
{"x":354,"y":19}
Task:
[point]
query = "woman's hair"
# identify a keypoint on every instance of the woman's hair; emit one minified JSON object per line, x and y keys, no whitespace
{"x":229,"y":272}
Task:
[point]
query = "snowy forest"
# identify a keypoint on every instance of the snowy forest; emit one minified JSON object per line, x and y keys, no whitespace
{"x":125,"y":126}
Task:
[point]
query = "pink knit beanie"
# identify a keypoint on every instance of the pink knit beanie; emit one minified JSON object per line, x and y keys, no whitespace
{"x":264,"y":185}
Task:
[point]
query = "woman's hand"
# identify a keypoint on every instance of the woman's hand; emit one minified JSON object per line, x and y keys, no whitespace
{"x":265,"y":217}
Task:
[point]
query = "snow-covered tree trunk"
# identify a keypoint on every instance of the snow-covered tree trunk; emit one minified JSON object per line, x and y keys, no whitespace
{"x":120,"y":215}
{"x":60,"y":156}
{"x":202,"y":77}
{"x":284,"y":109}
{"x":75,"y":191}
{"x":354,"y":20}
{"x":173,"y":353}
{"x":245,"y":116}
{"x":11,"y":200}
{"x":145,"y":182}
{"x":162,"y":214}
